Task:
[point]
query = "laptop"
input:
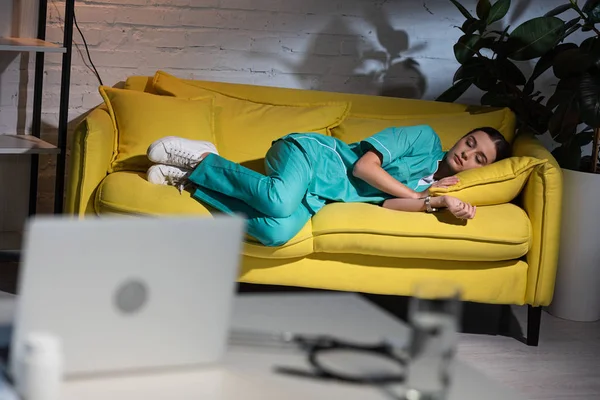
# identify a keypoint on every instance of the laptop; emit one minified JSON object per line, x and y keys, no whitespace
{"x":129,"y":294}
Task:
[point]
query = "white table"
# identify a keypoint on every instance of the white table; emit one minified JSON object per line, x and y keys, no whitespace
{"x":247,"y":372}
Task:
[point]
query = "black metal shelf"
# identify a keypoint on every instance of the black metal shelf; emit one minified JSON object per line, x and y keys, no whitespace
{"x":40,"y":47}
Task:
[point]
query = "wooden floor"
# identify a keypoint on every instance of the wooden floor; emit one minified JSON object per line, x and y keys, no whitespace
{"x":565,"y":365}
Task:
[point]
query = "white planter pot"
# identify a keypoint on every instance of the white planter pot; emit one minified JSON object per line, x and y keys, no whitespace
{"x":577,"y":292}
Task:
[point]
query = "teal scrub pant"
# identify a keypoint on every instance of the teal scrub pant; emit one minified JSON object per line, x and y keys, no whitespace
{"x":274,"y":204}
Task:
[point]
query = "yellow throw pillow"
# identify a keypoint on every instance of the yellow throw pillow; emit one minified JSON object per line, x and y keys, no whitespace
{"x":497,"y":183}
{"x":245,"y":129}
{"x":449,"y":127}
{"x":140,"y":119}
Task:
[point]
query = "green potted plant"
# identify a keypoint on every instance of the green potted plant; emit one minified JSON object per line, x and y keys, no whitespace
{"x":571,"y":115}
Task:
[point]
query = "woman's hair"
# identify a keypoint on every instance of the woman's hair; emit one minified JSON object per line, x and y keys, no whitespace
{"x":503,"y":149}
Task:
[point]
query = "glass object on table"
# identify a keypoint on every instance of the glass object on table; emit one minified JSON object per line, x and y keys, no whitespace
{"x":434,"y":315}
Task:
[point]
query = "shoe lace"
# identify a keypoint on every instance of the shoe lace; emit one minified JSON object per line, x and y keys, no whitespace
{"x":185,"y":157}
{"x":177,"y":178}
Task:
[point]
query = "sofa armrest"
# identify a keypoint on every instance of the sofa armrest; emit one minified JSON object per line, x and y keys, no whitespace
{"x":92,"y":150}
{"x":542,"y":200}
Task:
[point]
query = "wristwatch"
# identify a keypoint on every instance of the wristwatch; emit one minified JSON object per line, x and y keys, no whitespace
{"x":428,"y":205}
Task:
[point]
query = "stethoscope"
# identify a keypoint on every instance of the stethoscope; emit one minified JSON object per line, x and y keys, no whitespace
{"x":319,"y":345}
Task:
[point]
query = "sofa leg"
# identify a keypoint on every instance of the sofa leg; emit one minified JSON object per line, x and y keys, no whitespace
{"x":534,"y":319}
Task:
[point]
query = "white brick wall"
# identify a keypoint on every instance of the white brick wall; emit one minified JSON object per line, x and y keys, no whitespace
{"x":316,"y":44}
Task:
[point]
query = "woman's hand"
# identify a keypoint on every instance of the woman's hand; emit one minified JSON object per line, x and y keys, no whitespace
{"x":459,"y":208}
{"x":445,"y":183}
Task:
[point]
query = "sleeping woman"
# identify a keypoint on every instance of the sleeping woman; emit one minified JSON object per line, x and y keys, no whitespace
{"x":394,"y":168}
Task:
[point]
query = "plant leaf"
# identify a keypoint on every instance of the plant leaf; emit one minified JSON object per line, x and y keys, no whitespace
{"x":592,"y":9}
{"x":500,"y":46}
{"x":454,"y":92}
{"x":558,"y":10}
{"x":462,"y":9}
{"x":571,"y":27}
{"x":590,"y":5}
{"x":565,"y":89}
{"x":571,"y":62}
{"x":472,"y":25}
{"x":487,"y":43}
{"x":510,"y":73}
{"x":495,"y":100}
{"x":533,"y":114}
{"x":504,"y":33}
{"x":472,"y":68}
{"x":584,"y":138}
{"x":469,"y":26}
{"x":588,"y":43}
{"x":568,"y":156}
{"x":483,"y":9}
{"x":466,"y":47}
{"x":498,"y":11}
{"x":572,"y":23}
{"x":535,"y":37}
{"x":563,"y":123}
{"x":485,"y":81}
{"x":589,"y":99}
{"x":547,"y":60}
{"x":528,"y":88}
{"x":591,"y":46}
{"x":570,"y":31}
{"x":587,"y":27}
{"x":475,"y":69}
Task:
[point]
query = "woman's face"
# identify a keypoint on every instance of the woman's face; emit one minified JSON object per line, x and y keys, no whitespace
{"x":472,"y":151}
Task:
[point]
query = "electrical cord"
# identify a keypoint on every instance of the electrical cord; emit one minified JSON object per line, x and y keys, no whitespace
{"x":87,"y":50}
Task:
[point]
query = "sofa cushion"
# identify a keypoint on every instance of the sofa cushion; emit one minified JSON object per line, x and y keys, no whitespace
{"x":449,"y":127}
{"x":361,"y":103}
{"x":500,"y":232}
{"x":141,"y":118}
{"x":245,"y":129}
{"x":497,"y":183}
{"x":129,"y":193}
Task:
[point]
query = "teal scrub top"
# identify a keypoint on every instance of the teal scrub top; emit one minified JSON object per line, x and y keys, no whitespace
{"x":410,"y":154}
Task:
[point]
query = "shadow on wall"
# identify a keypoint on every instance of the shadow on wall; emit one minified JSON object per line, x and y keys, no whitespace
{"x":397,"y":76}
{"x":363,"y":65}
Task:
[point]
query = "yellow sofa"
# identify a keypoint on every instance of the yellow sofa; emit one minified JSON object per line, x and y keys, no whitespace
{"x":506,"y":255}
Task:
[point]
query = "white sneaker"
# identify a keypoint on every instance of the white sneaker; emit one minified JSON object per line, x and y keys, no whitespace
{"x":167,"y":175}
{"x":179,"y":152}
